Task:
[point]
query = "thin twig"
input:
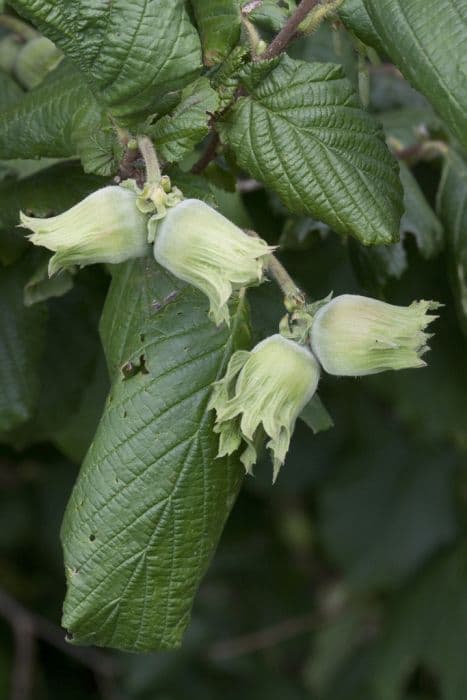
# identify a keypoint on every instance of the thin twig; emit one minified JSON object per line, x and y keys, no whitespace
{"x":277,"y":46}
{"x":27,"y":625}
{"x":208,"y":155}
{"x":275,"y":270}
{"x":262,"y":639}
{"x":289,"y":31}
{"x":22,"y":676}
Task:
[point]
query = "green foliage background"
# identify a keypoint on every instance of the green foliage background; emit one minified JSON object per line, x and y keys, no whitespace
{"x":347,"y":580}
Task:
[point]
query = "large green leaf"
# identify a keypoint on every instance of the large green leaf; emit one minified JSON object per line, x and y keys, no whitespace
{"x":10,"y":91}
{"x":426,"y":41}
{"x":21,"y":345}
{"x":23,"y":167}
{"x":302,"y":131}
{"x":151,"y":500}
{"x":428,"y":627}
{"x":452,"y":209}
{"x":74,"y":438}
{"x":219,"y":26}
{"x":72,"y":351}
{"x":131,"y":52}
{"x":355,"y":17}
{"x":60,"y":118}
{"x":177,"y":133}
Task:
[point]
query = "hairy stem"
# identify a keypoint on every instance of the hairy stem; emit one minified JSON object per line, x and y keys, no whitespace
{"x":276,"y":271}
{"x":208,"y":155}
{"x":153,"y":171}
{"x":278,"y":44}
{"x":289,"y":31}
{"x":293,"y":295}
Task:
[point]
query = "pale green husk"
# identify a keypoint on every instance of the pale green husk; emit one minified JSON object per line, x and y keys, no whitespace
{"x":202,"y":247}
{"x":263,"y":392}
{"x":105,"y":227}
{"x":35,"y":60}
{"x":354,"y":335}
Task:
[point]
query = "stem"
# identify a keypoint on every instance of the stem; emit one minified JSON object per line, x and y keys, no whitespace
{"x":275,"y":270}
{"x":293,"y":294}
{"x":289,"y":31}
{"x":153,"y":171}
{"x":262,"y":639}
{"x":17,"y":26}
{"x":208,"y":155}
{"x":320,"y":12}
{"x":22,"y":679}
{"x":285,"y":36}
